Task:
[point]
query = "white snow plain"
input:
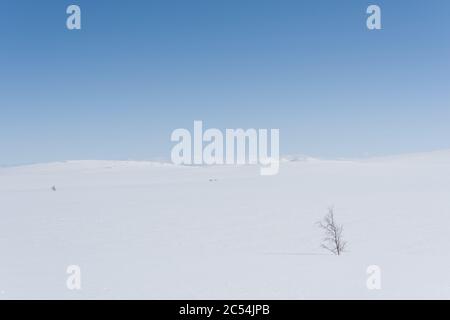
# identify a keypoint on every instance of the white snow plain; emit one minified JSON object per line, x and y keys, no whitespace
{"x":142,"y":230}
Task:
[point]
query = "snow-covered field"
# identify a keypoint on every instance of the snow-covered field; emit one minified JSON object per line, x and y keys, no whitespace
{"x":150,"y":231}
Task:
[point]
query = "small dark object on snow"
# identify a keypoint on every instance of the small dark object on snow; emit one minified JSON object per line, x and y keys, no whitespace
{"x":54,"y":188}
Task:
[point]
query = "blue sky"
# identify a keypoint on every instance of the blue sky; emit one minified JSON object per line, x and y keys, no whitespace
{"x":140,"y":69}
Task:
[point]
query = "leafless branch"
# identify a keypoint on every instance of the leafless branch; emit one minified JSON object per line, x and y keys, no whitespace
{"x":333,"y":240}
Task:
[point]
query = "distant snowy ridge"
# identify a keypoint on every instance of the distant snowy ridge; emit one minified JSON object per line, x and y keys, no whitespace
{"x":440,"y":156}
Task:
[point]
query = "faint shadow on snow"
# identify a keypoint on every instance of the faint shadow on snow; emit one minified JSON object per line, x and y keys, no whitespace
{"x":296,"y":254}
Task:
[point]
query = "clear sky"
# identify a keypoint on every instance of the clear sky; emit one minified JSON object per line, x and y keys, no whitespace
{"x":140,"y":69}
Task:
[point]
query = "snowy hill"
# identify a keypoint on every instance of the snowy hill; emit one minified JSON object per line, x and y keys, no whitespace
{"x":153,"y":230}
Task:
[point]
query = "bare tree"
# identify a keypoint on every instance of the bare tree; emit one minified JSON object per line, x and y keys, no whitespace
{"x":333,"y":240}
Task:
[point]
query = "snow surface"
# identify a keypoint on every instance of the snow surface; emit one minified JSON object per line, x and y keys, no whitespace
{"x":157,"y":231}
